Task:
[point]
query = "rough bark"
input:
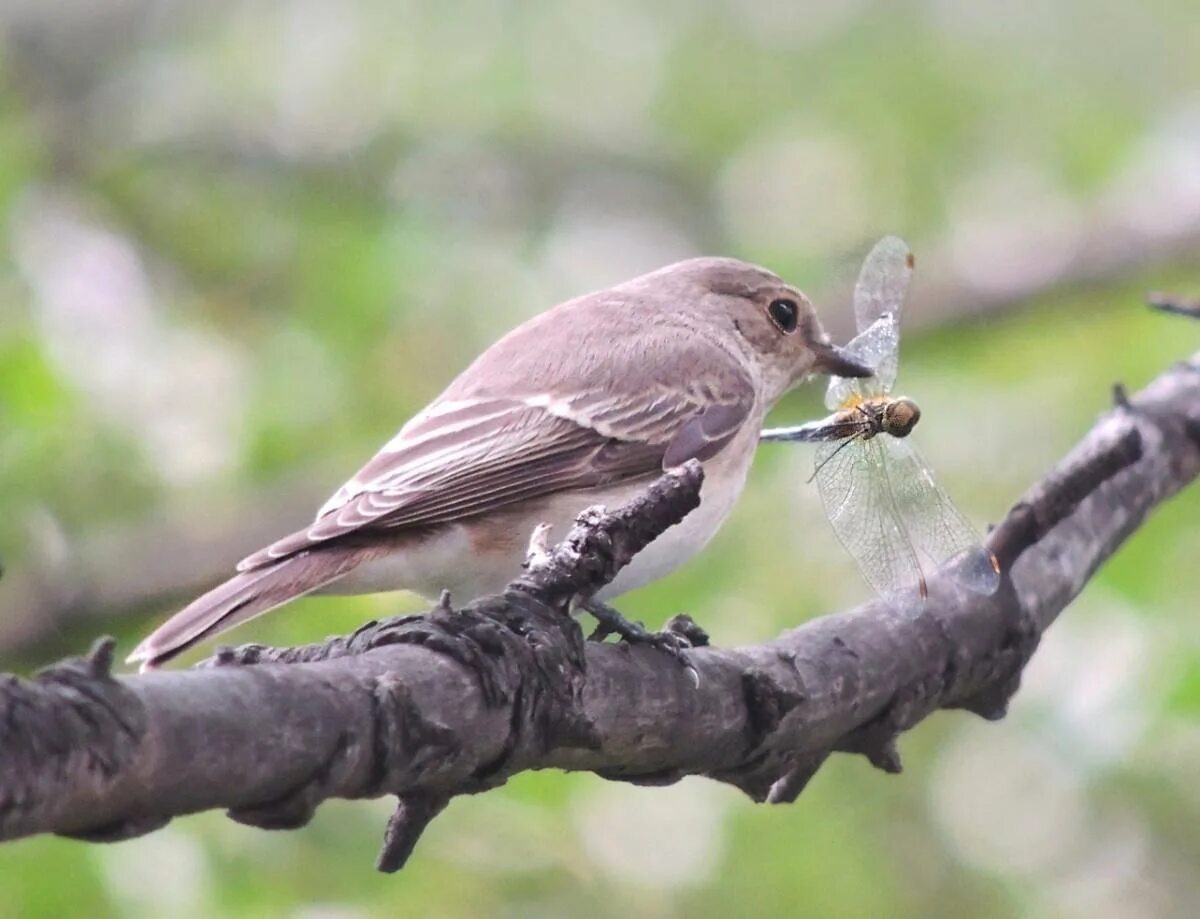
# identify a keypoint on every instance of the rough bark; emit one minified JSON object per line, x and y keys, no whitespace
{"x":455,"y":702}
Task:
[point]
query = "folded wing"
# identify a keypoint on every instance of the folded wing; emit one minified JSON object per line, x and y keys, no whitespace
{"x":463,"y":458}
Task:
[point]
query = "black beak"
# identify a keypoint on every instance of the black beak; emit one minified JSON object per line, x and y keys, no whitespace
{"x":833,"y":361}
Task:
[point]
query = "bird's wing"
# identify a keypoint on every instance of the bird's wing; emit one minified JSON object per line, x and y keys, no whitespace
{"x":461,"y":458}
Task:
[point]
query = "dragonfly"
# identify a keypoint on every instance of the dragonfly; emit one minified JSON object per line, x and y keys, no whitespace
{"x":877,"y":490}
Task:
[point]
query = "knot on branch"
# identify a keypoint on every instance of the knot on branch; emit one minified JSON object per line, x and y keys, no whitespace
{"x":406,"y":745}
{"x":72,"y":718}
{"x":767,"y":703}
{"x":998,"y":674}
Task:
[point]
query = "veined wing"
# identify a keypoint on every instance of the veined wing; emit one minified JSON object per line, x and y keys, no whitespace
{"x":878,"y":302}
{"x":853,"y":480}
{"x":882,"y":282}
{"x":937,"y":528}
{"x":877,"y":347}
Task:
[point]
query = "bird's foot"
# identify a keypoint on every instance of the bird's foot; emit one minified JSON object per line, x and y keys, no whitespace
{"x":680,"y":635}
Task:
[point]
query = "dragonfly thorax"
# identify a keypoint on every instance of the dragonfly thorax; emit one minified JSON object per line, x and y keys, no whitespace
{"x":891,"y":416}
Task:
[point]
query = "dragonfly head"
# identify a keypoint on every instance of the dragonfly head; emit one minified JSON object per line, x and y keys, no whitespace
{"x":900,"y":416}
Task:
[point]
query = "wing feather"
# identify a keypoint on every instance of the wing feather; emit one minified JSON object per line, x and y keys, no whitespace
{"x":468,"y":457}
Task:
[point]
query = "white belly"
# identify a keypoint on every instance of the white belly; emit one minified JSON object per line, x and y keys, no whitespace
{"x":682,"y":541}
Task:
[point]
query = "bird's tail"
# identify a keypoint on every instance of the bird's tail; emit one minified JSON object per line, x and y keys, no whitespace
{"x":244,"y":596}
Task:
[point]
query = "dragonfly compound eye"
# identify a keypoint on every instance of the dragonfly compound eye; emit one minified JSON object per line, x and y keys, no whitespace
{"x":900,"y":417}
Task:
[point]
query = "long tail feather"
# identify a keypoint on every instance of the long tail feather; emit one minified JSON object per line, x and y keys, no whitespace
{"x":243,"y":597}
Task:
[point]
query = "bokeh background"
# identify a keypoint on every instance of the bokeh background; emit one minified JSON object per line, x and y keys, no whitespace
{"x":242,"y":242}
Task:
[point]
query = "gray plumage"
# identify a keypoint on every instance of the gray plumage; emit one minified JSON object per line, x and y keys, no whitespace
{"x":600,"y":392}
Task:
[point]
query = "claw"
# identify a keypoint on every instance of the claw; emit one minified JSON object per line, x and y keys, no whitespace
{"x":611,"y":622}
{"x":673,"y":644}
{"x":600,"y":632}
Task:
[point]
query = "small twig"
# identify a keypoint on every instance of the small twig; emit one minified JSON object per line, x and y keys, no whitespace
{"x":537,"y":556}
{"x":408,"y":821}
{"x":1168,"y":303}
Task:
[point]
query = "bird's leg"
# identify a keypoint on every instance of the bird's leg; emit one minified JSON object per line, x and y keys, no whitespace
{"x":611,"y":622}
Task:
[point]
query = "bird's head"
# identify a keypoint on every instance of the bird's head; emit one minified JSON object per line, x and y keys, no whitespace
{"x":770,"y":322}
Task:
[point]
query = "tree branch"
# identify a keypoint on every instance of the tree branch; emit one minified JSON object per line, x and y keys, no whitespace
{"x":455,"y":702}
{"x":1182,"y":306}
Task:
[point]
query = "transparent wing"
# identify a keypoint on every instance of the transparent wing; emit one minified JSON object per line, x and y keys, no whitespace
{"x":878,"y":303}
{"x":854,"y":484}
{"x":879,"y":348}
{"x":882,"y":282}
{"x":937,"y":528}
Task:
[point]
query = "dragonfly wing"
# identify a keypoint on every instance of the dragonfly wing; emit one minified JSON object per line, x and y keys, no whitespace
{"x":938,"y":529}
{"x":879,"y":348}
{"x":854,"y":485}
{"x":882,"y":282}
{"x":878,"y":301}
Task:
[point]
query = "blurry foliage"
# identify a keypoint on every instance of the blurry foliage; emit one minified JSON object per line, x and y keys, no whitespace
{"x":246,"y":239}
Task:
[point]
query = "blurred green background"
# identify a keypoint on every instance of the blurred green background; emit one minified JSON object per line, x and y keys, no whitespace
{"x":242,"y":242}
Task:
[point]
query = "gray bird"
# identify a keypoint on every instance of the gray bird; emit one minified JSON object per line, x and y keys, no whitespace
{"x":583,"y":404}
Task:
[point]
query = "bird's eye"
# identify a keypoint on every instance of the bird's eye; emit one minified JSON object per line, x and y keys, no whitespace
{"x":785,"y":314}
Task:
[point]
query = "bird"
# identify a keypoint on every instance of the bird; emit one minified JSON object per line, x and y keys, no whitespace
{"x":583,"y":404}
